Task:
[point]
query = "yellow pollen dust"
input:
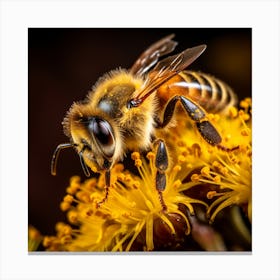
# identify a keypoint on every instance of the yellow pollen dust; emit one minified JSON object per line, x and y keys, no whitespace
{"x":245,"y":132}
{"x":245,"y":103}
{"x":211,"y":194}
{"x":177,"y":184}
{"x":205,"y":171}
{"x":217,"y":179}
{"x":181,"y":143}
{"x":151,"y":156}
{"x":195,"y":178}
{"x":135,"y":155}
{"x":68,"y":198}
{"x":177,"y":168}
{"x":138,"y":162}
{"x":243,"y":115}
{"x":213,"y":117}
{"x":233,"y":112}
{"x":181,"y":159}
{"x":218,"y":166}
{"x":72,"y":216}
{"x":64,"y":206}
{"x":196,"y":150}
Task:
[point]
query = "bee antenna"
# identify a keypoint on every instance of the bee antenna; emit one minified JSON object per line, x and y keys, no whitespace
{"x":84,"y":166}
{"x":56,"y":154}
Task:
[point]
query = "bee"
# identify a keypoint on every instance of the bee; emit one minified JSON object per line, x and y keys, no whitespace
{"x":126,"y":108}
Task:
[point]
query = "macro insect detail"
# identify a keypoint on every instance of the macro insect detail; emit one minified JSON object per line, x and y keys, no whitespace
{"x":126,"y":109}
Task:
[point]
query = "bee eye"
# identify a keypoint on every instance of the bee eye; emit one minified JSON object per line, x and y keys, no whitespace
{"x":103,"y":133}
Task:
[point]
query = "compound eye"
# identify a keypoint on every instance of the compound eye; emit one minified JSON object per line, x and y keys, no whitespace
{"x":103,"y":133}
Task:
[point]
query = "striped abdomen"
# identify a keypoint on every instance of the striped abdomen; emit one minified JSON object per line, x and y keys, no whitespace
{"x":211,"y":93}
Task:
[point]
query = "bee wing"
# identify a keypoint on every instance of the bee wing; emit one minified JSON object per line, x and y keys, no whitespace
{"x":150,"y":57}
{"x":166,"y":69}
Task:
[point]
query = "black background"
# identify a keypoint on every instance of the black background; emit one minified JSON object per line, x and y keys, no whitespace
{"x":63,"y":64}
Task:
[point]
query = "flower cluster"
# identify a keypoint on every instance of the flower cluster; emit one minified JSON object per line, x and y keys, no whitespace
{"x":132,"y":218}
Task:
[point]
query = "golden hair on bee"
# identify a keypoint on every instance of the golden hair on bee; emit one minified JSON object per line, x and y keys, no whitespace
{"x":125,"y":109}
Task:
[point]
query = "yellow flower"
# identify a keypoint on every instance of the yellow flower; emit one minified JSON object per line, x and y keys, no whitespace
{"x":226,"y":175}
{"x":132,"y":218}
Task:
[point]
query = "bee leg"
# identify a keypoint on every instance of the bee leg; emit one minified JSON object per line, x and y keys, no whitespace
{"x":211,"y":135}
{"x":197,"y":114}
{"x":161,"y":162}
{"x":107,"y":187}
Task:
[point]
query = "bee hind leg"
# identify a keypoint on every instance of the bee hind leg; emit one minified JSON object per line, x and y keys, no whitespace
{"x":161,"y":162}
{"x":197,"y":114}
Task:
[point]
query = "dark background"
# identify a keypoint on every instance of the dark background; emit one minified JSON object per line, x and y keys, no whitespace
{"x":63,"y":64}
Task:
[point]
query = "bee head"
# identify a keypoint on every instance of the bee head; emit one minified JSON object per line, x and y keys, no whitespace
{"x":93,"y":137}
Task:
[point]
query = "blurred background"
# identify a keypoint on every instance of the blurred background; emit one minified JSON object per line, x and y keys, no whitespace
{"x":63,"y":65}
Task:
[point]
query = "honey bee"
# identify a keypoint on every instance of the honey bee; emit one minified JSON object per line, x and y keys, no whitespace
{"x":126,"y":108}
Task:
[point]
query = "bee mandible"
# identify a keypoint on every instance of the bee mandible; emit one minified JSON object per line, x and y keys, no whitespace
{"x":126,"y":108}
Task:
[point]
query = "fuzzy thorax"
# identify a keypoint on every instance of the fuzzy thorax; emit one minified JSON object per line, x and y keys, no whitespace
{"x":132,"y":128}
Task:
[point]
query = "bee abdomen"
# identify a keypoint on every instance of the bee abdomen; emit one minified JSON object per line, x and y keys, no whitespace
{"x":209,"y":92}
